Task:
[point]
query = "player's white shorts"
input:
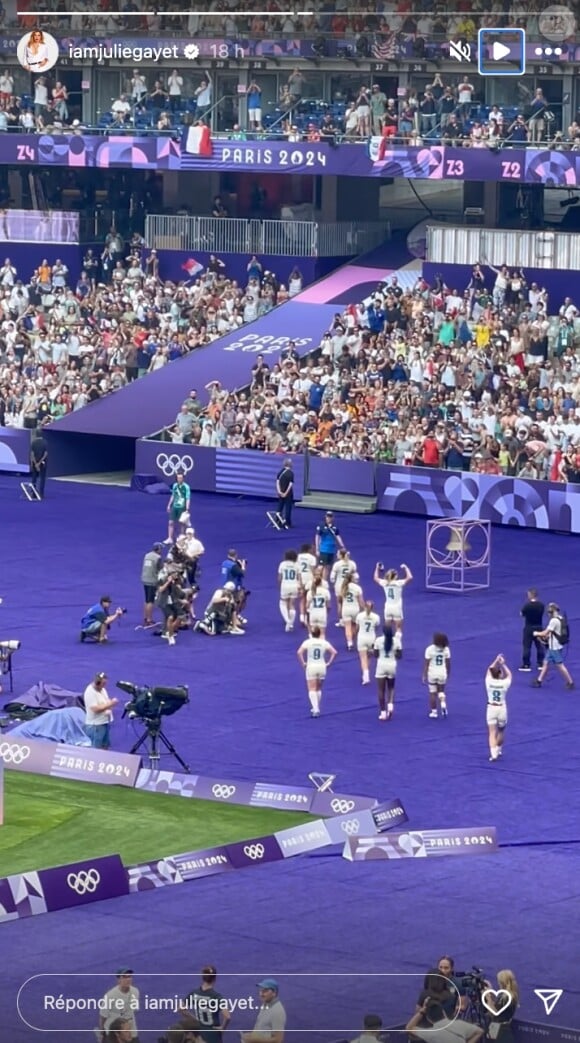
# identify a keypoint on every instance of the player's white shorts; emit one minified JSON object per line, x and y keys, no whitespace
{"x":388,"y":671}
{"x":394,"y":612}
{"x":349,"y":612}
{"x":318,"y":619}
{"x":365,"y":643}
{"x":316,"y":672}
{"x":436,"y":680}
{"x":289,"y":590}
{"x":496,"y":716}
{"x":306,"y":580}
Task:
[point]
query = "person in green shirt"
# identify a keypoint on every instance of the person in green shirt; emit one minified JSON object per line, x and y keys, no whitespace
{"x":178,"y":506}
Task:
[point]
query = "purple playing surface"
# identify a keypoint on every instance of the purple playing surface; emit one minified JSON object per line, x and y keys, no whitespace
{"x":248,"y":718}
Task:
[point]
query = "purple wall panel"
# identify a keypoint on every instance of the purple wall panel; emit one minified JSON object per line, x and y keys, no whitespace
{"x":165,"y":458}
{"x":83,"y":882}
{"x":14,"y":450}
{"x":249,"y":473}
{"x":344,"y":476}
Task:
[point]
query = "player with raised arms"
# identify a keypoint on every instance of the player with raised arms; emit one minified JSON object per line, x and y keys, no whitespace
{"x":392,"y":586}
{"x":289,"y":587}
{"x":436,"y":671}
{"x":317,"y":601}
{"x":352,"y":602}
{"x":313,"y":653}
{"x":387,"y":649}
{"x":306,"y":565}
{"x":343,"y":569}
{"x":367,"y":622}
{"x":498,"y":680}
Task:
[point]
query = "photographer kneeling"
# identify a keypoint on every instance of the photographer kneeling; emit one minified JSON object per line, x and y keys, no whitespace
{"x":431,"y":1016}
{"x":233,"y":571}
{"x":220,"y":616}
{"x":97,"y":620}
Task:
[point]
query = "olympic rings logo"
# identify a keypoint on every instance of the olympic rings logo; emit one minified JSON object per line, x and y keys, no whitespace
{"x":342,"y":807}
{"x":223,"y":792}
{"x":351,"y":828}
{"x":172,"y":465}
{"x":254,"y":851}
{"x":10,"y":753}
{"x":84,"y":883}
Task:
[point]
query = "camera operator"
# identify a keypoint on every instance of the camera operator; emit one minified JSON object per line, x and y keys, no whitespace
{"x":501,"y":1021}
{"x":98,"y":713}
{"x":172,"y":599}
{"x":437,"y":986}
{"x":97,"y":620}
{"x":220,"y":616}
{"x":233,"y":570}
{"x":552,"y":635}
{"x":192,"y":550}
{"x":431,"y":1017}
{"x":150,"y":570}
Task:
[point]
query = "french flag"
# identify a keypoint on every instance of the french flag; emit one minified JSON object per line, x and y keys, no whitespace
{"x":198,"y":141}
{"x":192,"y":267}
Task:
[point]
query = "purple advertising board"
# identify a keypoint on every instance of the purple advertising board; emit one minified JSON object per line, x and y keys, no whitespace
{"x":329,"y":475}
{"x":357,"y":823}
{"x":389,"y":814}
{"x":84,"y":882}
{"x":14,"y":450}
{"x":209,"y":862}
{"x":299,"y":840}
{"x":377,"y":158}
{"x":70,"y":762}
{"x":426,"y":843}
{"x":287,"y":798}
{"x":329,"y":804}
{"x":149,"y":875}
{"x":21,"y":895}
{"x":500,"y":500}
{"x":254,"y":852}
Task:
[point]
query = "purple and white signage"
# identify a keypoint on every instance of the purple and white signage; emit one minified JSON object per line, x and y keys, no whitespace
{"x":21,"y":895}
{"x":254,"y":852}
{"x":299,"y":840}
{"x":389,"y":814}
{"x":26,"y":226}
{"x":149,"y":875}
{"x":106,"y":767}
{"x":286,"y":798}
{"x":84,"y":882}
{"x":329,"y":804}
{"x":427,"y":843}
{"x":14,"y":450}
{"x":358,"y":823}
{"x":209,"y":862}
{"x":70,"y":762}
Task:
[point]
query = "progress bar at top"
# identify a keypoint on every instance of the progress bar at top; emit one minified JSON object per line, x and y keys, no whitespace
{"x":162,"y":14}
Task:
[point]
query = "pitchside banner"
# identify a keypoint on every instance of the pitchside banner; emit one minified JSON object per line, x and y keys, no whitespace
{"x":30,"y":894}
{"x":389,"y":814}
{"x":428,"y":843}
{"x":70,"y":762}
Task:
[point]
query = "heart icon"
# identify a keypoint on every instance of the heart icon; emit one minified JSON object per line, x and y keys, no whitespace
{"x":496,"y":1000}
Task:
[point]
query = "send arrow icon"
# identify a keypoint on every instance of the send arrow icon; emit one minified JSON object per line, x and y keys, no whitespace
{"x":549,"y":998}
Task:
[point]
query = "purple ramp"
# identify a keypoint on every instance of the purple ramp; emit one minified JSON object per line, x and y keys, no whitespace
{"x":148,"y":405}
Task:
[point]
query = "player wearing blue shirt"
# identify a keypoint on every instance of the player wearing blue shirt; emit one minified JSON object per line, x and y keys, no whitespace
{"x":328,"y":540}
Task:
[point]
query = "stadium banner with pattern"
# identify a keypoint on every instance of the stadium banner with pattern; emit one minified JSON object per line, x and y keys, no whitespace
{"x":376,"y":158}
{"x":83,"y":764}
{"x":424,"y":491}
{"x":425,"y":843}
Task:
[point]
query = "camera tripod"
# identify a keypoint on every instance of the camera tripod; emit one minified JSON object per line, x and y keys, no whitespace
{"x":152,"y":736}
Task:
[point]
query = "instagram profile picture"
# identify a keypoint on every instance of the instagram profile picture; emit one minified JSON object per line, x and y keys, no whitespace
{"x":37,"y":52}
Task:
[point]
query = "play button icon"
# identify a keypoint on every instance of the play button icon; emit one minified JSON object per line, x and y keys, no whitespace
{"x":501,"y":52}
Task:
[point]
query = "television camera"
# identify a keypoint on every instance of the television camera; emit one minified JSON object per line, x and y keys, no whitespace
{"x":150,"y":705}
{"x":7,"y":650}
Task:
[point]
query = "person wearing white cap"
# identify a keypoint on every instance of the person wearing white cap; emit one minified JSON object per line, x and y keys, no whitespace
{"x":271,"y":1021}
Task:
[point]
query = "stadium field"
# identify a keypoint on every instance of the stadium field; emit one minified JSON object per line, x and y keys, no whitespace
{"x":50,"y":822}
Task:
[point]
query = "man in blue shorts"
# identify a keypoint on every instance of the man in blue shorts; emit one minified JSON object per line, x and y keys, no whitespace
{"x":178,"y":505}
{"x":328,"y":541}
{"x":554,"y":635}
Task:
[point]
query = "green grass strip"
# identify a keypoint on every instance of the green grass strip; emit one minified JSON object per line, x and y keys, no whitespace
{"x":51,"y":822}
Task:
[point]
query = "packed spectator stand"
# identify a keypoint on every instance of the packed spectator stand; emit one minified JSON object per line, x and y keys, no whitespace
{"x":482,"y":381}
{"x":63,"y":347}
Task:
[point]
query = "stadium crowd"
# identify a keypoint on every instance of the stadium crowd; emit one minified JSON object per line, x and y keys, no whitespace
{"x":63,"y":346}
{"x":482,"y":380}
